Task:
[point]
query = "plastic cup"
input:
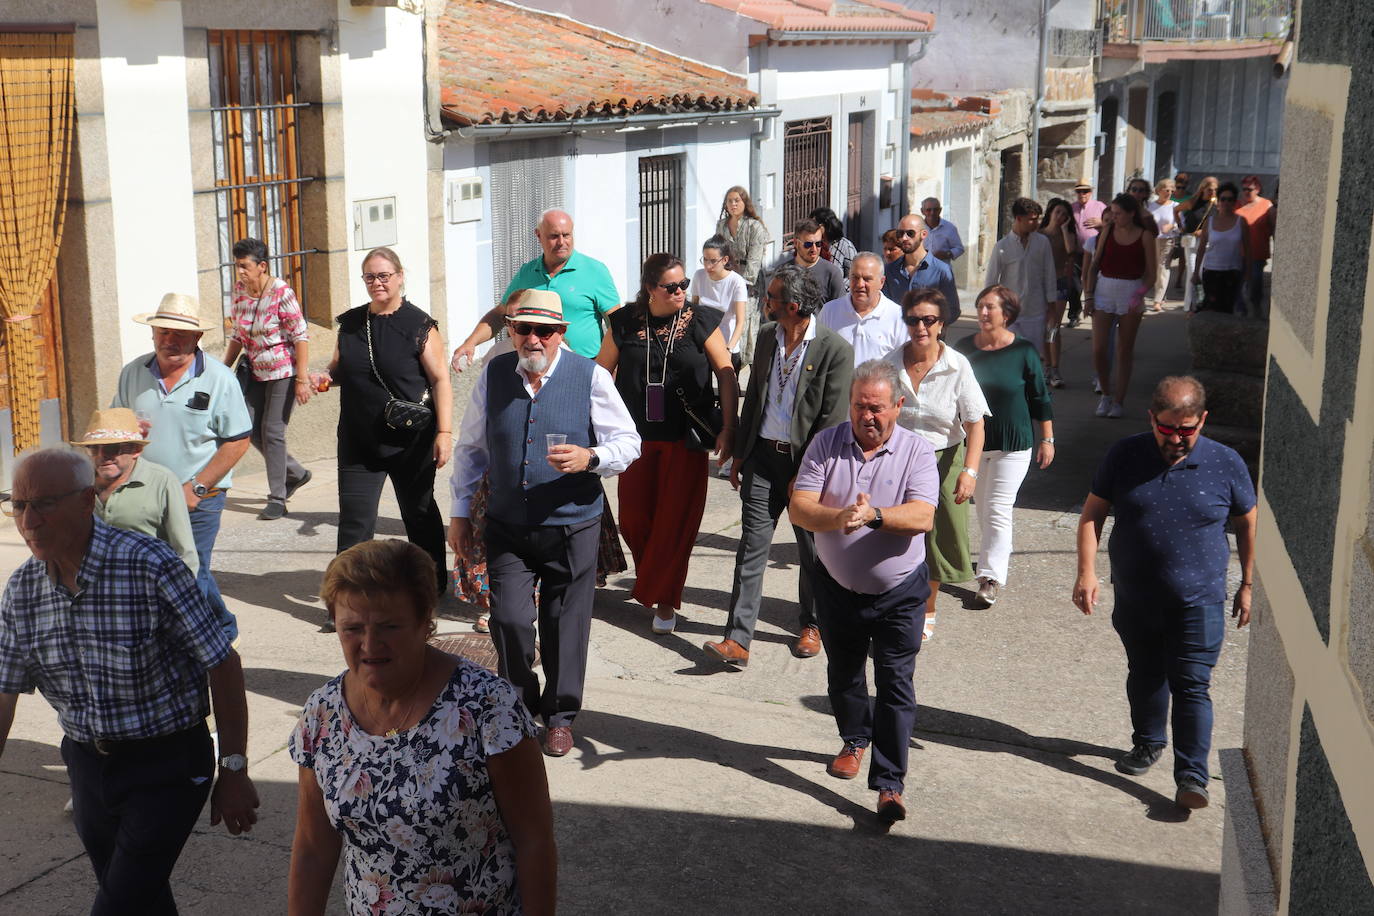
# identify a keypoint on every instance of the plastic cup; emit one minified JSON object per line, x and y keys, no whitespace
{"x":554,"y":440}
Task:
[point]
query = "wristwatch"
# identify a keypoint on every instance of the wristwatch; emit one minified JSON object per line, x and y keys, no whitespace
{"x":200,"y":489}
{"x":593,"y":462}
{"x":877,"y":519}
{"x":234,"y":763}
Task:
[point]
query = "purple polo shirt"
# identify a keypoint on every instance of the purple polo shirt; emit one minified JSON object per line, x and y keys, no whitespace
{"x":869,"y":561}
{"x":1093,"y":209}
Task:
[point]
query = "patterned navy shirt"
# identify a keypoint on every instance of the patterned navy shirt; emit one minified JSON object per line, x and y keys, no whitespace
{"x":126,"y":656}
{"x":1168,"y":543}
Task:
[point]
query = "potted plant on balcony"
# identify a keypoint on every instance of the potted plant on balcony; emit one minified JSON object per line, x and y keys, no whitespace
{"x":1268,"y":18}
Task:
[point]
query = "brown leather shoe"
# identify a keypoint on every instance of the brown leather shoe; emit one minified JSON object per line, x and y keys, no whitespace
{"x":558,"y":740}
{"x":728,"y":651}
{"x":808,"y":643}
{"x":890,"y":807}
{"x":846,"y":762}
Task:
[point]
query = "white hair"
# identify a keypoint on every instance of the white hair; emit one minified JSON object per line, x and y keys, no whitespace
{"x":867,"y":256}
{"x":76,"y":461}
{"x":878,"y":370}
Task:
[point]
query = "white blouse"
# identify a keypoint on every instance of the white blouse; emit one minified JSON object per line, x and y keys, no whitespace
{"x":948,"y":398}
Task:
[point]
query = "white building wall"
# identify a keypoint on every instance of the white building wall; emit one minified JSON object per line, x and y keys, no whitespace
{"x":383,"y":138}
{"x":467,"y":247}
{"x":143,"y":76}
{"x":809,"y":70}
{"x":604,"y":208}
{"x":950,"y":171}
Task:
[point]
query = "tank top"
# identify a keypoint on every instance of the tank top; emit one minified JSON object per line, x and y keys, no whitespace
{"x":1223,"y":248}
{"x":1122,"y":262}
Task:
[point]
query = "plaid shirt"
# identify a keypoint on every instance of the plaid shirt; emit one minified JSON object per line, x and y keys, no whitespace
{"x":126,"y":656}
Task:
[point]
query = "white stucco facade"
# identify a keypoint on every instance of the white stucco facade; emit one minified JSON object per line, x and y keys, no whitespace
{"x":951,"y":170}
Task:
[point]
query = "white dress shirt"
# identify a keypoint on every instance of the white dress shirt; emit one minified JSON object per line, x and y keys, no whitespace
{"x":871,"y":336}
{"x":944,"y":236}
{"x":777,"y":406}
{"x":1027,"y":269}
{"x":948,"y":398}
{"x":617,"y":441}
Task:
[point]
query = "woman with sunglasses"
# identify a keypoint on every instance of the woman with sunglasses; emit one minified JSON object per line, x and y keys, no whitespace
{"x":390,"y":349}
{"x":662,"y":352}
{"x":1009,"y":373}
{"x":946,"y":407}
{"x":1123,"y":269}
{"x":1223,"y":248}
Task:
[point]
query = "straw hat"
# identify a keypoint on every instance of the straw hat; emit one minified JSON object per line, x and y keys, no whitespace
{"x":177,"y":311}
{"x":538,"y":306}
{"x":112,"y":426}
{"x":1082,"y":186}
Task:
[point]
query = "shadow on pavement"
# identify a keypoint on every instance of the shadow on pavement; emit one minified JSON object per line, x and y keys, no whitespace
{"x":293,"y":687}
{"x":295,"y":592}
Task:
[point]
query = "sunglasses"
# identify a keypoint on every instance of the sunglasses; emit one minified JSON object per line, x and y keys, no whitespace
{"x":542,"y":331}
{"x":382,"y":278}
{"x":121,"y":448}
{"x":1181,"y":431}
{"x":907,"y":233}
{"x":1248,"y":188}
{"x":679,"y":286}
{"x":1227,"y":198}
{"x":811,"y":244}
{"x":927,"y":320}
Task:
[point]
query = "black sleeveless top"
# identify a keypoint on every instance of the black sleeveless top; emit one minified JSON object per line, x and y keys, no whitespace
{"x":642,"y":360}
{"x":398,"y":340}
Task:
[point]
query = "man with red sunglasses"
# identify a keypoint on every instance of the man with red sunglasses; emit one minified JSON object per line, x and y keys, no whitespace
{"x":132,"y":492}
{"x":1172,"y":491}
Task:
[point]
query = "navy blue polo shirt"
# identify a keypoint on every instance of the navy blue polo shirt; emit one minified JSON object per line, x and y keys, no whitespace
{"x":1168,"y":545}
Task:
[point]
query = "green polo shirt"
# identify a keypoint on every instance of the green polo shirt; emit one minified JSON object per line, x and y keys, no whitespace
{"x":189,"y":423}
{"x":151,"y":502}
{"x":588,"y":293}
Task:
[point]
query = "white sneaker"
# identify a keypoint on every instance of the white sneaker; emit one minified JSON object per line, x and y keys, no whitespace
{"x":1114,"y":412}
{"x":664,"y":627}
{"x":1104,"y":404}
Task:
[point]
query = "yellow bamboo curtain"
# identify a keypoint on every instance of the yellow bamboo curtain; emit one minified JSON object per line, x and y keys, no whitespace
{"x":37,"y":119}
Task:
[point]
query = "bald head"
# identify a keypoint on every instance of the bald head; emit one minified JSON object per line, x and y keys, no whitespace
{"x":555,"y":234}
{"x":1181,"y":393}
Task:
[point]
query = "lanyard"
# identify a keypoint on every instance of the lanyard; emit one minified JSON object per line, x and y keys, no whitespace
{"x":784,"y":375}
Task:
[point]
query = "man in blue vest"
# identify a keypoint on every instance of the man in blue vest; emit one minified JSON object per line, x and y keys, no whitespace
{"x":546,"y":424}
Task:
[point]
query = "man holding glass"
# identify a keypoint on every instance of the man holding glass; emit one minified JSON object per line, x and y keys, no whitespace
{"x":546,"y":424}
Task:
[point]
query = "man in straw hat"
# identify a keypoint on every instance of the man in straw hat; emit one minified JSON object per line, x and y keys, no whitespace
{"x":133,"y":494}
{"x":546,"y":424}
{"x":198,"y":423}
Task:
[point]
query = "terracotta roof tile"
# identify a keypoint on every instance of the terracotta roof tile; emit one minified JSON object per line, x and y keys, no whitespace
{"x":931,"y":125}
{"x":501,"y":63}
{"x":877,"y":16}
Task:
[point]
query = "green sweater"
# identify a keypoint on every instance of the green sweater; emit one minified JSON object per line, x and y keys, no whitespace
{"x":1013,"y":382}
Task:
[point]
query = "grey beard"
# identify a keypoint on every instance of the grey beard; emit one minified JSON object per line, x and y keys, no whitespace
{"x":534,"y":364}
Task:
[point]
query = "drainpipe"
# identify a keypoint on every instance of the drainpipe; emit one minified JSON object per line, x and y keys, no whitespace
{"x":904,"y":141}
{"x":760,"y":132}
{"x":1039,"y":101}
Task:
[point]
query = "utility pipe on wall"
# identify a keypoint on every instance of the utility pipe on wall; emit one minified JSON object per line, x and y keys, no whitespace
{"x":1039,"y":101}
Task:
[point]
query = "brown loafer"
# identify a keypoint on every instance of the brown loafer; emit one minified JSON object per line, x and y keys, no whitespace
{"x":890,"y":807}
{"x":808,"y":643}
{"x":846,"y":762}
{"x":728,"y":651}
{"x":558,"y":740}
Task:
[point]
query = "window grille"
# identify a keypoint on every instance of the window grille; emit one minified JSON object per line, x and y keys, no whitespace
{"x":661,"y":206}
{"x":806,"y":170}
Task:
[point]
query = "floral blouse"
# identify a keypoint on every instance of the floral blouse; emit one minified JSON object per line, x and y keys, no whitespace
{"x":420,"y":826}
{"x":268,"y":328}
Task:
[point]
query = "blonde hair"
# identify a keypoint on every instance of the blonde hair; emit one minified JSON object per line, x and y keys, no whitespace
{"x":386,"y":254}
{"x":380,"y":571}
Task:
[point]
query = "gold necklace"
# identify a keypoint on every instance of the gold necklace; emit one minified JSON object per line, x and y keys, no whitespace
{"x":410,"y":708}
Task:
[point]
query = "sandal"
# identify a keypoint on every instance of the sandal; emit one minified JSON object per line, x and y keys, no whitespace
{"x":928,"y":631}
{"x":481,"y":624}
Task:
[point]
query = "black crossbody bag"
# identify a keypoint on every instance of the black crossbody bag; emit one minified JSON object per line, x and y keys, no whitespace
{"x":400,"y":414}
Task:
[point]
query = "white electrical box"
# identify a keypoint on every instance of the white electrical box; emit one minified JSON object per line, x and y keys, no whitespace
{"x":374,"y":223}
{"x":465,"y":200}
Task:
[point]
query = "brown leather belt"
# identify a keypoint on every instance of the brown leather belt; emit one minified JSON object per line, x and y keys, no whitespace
{"x":778,"y":446}
{"x":109,"y":747}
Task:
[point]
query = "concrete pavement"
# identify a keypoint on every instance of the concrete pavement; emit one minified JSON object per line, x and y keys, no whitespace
{"x":692,"y":788}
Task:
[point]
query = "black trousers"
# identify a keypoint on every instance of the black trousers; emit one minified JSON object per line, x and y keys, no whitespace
{"x":411,"y":473}
{"x":562,"y":559}
{"x":134,"y":810}
{"x":890,"y":625}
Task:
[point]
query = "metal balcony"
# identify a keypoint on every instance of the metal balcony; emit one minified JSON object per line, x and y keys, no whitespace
{"x":1188,"y":21}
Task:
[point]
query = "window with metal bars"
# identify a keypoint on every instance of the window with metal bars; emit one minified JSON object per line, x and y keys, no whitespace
{"x":805,"y":169}
{"x":256,"y":140}
{"x":661,"y":206}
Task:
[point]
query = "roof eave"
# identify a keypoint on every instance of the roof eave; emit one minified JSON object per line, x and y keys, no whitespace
{"x":469,"y":130}
{"x":869,"y":35}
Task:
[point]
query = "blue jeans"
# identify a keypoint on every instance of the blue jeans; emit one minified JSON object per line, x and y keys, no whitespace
{"x":1171,"y":651}
{"x":204,"y":529}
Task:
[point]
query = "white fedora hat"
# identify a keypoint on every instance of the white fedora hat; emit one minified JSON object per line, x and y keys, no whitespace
{"x":177,"y":311}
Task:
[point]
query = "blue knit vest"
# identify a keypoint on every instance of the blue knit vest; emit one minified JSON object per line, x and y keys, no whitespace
{"x":525,"y":490}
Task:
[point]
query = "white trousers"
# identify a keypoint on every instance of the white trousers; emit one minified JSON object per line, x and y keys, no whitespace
{"x":999,"y":479}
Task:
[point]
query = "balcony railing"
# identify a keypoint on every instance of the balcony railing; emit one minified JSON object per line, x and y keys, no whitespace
{"x":1131,"y":21}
